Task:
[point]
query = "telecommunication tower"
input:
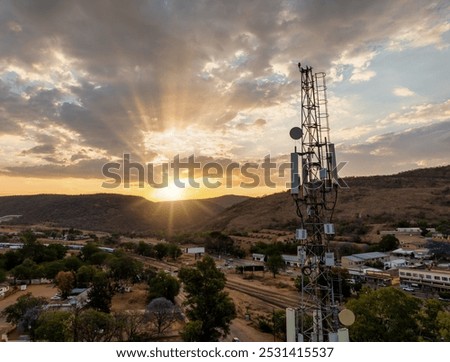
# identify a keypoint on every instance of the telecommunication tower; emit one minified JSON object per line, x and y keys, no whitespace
{"x":314,"y":189}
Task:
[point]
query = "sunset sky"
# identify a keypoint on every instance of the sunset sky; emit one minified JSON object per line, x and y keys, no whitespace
{"x":84,"y":82}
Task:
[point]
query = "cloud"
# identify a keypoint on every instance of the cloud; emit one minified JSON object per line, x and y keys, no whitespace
{"x":87,"y":169}
{"x":93,"y":80}
{"x":425,"y":113}
{"x":403,"y":92}
{"x":424,"y":146}
{"x":41,"y":149}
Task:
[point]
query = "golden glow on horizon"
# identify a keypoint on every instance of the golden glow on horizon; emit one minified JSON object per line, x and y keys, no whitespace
{"x":77,"y":186}
{"x":170,"y":193}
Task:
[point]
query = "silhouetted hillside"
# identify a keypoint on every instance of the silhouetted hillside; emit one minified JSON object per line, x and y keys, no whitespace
{"x":112,"y":212}
{"x":412,"y":196}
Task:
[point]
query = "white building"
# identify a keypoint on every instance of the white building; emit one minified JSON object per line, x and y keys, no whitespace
{"x":291,"y":260}
{"x":434,"y":278}
{"x":258,"y":257}
{"x":395,"y":264}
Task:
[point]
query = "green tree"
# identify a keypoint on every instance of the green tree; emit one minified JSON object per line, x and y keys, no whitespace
{"x":443,"y":323}
{"x":274,"y":263}
{"x":161,"y":250}
{"x":54,"y":326}
{"x":88,"y":250}
{"x":2,"y":275}
{"x":72,"y":263}
{"x":211,"y":310}
{"x":101,"y":293}
{"x":124,"y":267}
{"x":24,"y":312}
{"x":58,"y":250}
{"x":12,"y":259}
{"x":26,"y":271}
{"x":163,"y":285}
{"x":94,"y":326}
{"x":100,"y":258}
{"x":65,"y":282}
{"x":428,"y":315}
{"x":384,"y":315}
{"x":219,"y":243}
{"x":85,"y":275}
{"x":388,"y":242}
{"x":145,"y":249}
{"x":52,"y":268}
{"x":174,"y":251}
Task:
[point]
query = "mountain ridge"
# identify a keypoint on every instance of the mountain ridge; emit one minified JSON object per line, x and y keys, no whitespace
{"x":416,"y":195}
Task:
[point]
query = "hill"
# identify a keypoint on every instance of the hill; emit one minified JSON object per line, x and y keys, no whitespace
{"x":114,"y":213}
{"x":418,"y":195}
{"x":413,"y":196}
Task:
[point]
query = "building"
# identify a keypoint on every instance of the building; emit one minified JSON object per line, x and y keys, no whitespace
{"x":417,"y":253}
{"x":356,"y":261}
{"x":291,"y":260}
{"x":437,"y":279}
{"x":395,"y":264}
{"x":258,"y":257}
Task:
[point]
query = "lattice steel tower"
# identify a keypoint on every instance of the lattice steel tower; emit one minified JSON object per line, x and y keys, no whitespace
{"x":314,"y":189}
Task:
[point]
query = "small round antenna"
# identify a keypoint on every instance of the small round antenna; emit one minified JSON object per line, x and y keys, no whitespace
{"x":296,"y":133}
{"x":346,"y":317}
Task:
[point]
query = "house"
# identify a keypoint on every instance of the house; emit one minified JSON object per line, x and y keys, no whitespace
{"x":291,"y":260}
{"x":417,"y":253}
{"x":356,"y":261}
{"x":258,"y":257}
{"x":395,"y":264}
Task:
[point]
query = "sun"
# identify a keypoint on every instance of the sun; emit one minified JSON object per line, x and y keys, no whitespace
{"x":169,"y":193}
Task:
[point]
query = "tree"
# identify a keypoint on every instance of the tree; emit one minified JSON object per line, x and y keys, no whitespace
{"x":58,"y":250}
{"x":85,"y":275}
{"x":54,"y":326}
{"x":130,"y":326}
{"x":2,"y":275}
{"x":427,"y":318}
{"x":124,"y":267}
{"x":443,"y":323}
{"x":163,"y":285}
{"x":145,"y":249}
{"x":12,"y":259}
{"x":219,"y":243}
{"x":26,"y":271}
{"x":161,"y":313}
{"x":174,"y":251}
{"x":274,"y":263}
{"x":94,"y":326}
{"x":388,"y":242}
{"x":276,"y":325}
{"x":72,"y":263}
{"x":24,"y":312}
{"x":88,"y":250}
{"x":65,"y":281}
{"x":384,"y":315}
{"x":211,"y":310}
{"x":161,"y":250}
{"x":101,"y":293}
{"x":52,"y":268}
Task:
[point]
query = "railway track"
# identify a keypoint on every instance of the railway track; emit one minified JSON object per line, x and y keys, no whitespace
{"x":270,"y":297}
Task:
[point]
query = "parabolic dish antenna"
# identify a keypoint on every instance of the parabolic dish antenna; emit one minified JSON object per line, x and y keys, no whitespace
{"x":346,"y":317}
{"x":296,"y":133}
